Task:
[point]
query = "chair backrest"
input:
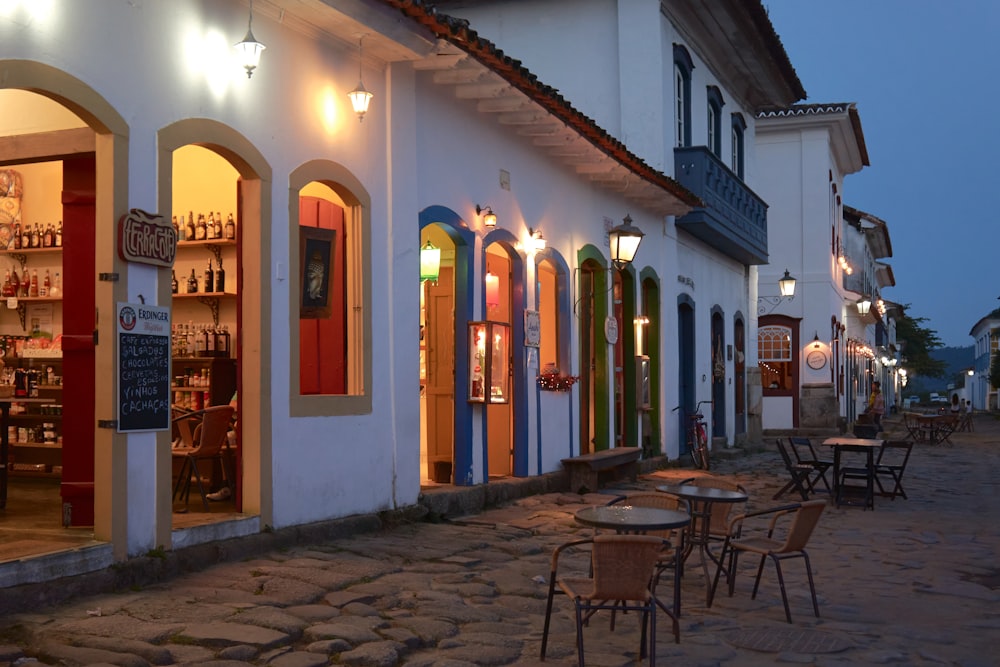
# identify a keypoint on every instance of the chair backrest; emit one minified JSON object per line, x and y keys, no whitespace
{"x":785,"y":456}
{"x":805,"y":520}
{"x":895,"y":453}
{"x":718,"y":523}
{"x":803,"y":449}
{"x":624,"y":566}
{"x":211,"y":434}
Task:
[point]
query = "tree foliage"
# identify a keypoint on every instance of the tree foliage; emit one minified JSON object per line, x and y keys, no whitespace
{"x":917,"y":342}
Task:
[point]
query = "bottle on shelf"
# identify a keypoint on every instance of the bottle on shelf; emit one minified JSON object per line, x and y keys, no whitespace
{"x":173,"y":281}
{"x":8,"y":289}
{"x":56,"y":290}
{"x":15,"y":284}
{"x":48,"y":238}
{"x":220,"y":278}
{"x":177,"y":230}
{"x":46,"y":287}
{"x":218,"y":224}
{"x":25,"y":282}
{"x":33,"y":288}
{"x":200,"y":230}
{"x":17,"y":237}
{"x":210,"y":227}
{"x":35,"y":240}
{"x":59,"y":235}
{"x":26,"y":236}
{"x":230,"y":228}
{"x":209,"y":283}
{"x":192,"y":286}
{"x":189,"y":233}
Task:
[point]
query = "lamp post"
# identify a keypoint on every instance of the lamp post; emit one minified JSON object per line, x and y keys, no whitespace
{"x":625,"y":240}
{"x":786,"y":289}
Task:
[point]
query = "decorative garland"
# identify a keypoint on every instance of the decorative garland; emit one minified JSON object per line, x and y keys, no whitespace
{"x":556,"y":382}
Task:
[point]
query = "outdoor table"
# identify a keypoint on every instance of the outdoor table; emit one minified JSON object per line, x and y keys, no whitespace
{"x":628,"y":519}
{"x":937,"y":427}
{"x":870,"y":445}
{"x":702,"y":498}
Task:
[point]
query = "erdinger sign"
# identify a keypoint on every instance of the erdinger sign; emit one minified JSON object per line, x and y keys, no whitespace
{"x":147,"y":238}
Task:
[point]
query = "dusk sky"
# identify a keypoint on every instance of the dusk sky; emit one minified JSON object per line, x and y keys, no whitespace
{"x":925,"y":79}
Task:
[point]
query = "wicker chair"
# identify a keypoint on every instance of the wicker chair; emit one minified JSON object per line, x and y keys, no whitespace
{"x":804,"y":518}
{"x":673,"y":544}
{"x":623,"y":567}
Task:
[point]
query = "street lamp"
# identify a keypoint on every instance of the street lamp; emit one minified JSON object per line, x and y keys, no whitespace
{"x":786,"y":288}
{"x":864,"y":305}
{"x":625,"y":240}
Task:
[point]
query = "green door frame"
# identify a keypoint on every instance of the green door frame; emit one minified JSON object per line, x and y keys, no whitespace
{"x":599,"y":393}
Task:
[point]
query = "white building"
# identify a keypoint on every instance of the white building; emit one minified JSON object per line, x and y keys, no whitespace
{"x":978,"y":387}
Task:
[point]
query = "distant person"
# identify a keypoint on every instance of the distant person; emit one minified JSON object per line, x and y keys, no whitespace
{"x":955,"y":407}
{"x":876,"y":405}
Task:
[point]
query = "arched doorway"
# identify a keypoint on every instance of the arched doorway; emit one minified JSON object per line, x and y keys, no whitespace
{"x":718,"y":374}
{"x":592,"y":311}
{"x":649,"y":340}
{"x":686,"y":379}
{"x":626,"y":431}
{"x":740,"y":374}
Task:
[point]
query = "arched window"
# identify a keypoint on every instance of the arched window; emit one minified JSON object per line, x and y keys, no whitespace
{"x":774,"y":355}
{"x":715,"y":104}
{"x":683,"y":67}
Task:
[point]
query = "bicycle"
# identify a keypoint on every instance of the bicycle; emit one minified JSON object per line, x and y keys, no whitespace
{"x":697,"y":437}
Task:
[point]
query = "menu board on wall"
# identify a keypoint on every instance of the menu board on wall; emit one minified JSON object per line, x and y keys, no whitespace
{"x":143,"y":367}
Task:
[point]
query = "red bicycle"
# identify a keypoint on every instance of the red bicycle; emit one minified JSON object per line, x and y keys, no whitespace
{"x":697,"y":437}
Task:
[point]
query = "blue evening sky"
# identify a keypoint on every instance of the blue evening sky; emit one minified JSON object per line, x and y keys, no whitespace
{"x":924,"y":75}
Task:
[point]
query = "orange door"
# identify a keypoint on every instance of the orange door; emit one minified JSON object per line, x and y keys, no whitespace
{"x":439,"y":333}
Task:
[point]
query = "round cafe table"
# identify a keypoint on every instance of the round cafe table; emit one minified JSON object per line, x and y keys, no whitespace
{"x":629,"y":519}
{"x":702,"y":498}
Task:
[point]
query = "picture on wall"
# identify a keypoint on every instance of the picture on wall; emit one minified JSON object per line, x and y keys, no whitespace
{"x":316,"y":248}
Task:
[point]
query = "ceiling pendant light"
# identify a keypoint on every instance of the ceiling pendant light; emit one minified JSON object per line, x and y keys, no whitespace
{"x":250,"y":49}
{"x":360,"y":96}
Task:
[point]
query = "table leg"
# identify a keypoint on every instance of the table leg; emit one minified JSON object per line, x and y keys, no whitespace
{"x":836,"y":474}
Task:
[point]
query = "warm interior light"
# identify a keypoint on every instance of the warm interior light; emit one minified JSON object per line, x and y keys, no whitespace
{"x":625,"y":240}
{"x":787,"y":285}
{"x":430,"y":262}
{"x":492,"y":290}
{"x":250,"y":49}
{"x":360,"y":97}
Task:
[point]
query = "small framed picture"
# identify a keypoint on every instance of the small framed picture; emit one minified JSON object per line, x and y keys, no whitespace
{"x":316,"y":248}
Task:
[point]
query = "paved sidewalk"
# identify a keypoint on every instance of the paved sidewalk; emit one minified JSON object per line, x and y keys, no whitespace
{"x":914,"y":582}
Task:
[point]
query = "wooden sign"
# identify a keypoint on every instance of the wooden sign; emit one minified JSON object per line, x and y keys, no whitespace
{"x":146,"y":238}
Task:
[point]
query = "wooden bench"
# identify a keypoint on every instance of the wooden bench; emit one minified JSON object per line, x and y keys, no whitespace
{"x":587,"y":470}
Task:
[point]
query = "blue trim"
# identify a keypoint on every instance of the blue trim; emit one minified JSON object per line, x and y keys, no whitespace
{"x":465,"y":243}
{"x":566,"y":323}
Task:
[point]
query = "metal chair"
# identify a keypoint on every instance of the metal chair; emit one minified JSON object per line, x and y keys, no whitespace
{"x":891,"y":464}
{"x":800,"y":475}
{"x":806,"y":455}
{"x":803,"y":520}
{"x":623,"y":567}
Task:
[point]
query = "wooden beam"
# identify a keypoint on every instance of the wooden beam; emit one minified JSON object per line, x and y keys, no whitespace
{"x":45,"y":146}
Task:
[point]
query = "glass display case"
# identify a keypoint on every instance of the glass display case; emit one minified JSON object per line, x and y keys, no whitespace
{"x":489,"y":362}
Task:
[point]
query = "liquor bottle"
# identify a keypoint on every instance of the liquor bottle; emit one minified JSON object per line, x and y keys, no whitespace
{"x":26,"y":236}
{"x":33,"y":289}
{"x":46,"y":287}
{"x":209,"y":283}
{"x":230,"y":228}
{"x":8,"y":289}
{"x":218,"y":224}
{"x":200,"y":231}
{"x":192,"y":283}
{"x":177,"y":230}
{"x":210,"y":227}
{"x":35,"y":239}
{"x":17,"y":237}
{"x":56,"y":290}
{"x":220,"y":278}
{"x":15,"y":284}
{"x":25,"y":282}
{"x":47,"y":237}
{"x":189,"y":233}
{"x":59,"y":239}
{"x":173,"y":281}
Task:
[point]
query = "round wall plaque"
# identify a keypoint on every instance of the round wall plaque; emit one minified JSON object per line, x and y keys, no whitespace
{"x":816,"y":360}
{"x":611,"y":330}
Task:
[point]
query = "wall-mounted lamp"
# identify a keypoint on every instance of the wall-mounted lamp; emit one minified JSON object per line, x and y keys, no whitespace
{"x":537,"y":241}
{"x":816,"y":343}
{"x":625,"y":240}
{"x":360,"y":97}
{"x":430,"y":262}
{"x":971,"y":372}
{"x":492,"y":290}
{"x":864,"y":305}
{"x":786,"y":286}
{"x":489,"y":217}
{"x":250,"y":49}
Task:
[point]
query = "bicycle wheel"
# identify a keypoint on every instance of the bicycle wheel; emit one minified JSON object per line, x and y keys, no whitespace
{"x":699,"y":453}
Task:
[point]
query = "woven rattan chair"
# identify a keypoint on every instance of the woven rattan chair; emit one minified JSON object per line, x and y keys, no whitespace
{"x":204,"y":434}
{"x":623,"y":568}
{"x":796,"y":533}
{"x":673,"y":544}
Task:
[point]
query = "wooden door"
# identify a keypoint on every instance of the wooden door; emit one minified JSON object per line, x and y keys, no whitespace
{"x":439,"y":335}
{"x":500,"y":444}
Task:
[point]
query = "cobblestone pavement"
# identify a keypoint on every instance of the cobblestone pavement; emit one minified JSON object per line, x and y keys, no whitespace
{"x":914,"y":582}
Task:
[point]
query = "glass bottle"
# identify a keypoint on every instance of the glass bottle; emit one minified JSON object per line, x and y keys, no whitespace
{"x":218,"y":224}
{"x":210,"y":227}
{"x":200,"y":230}
{"x":26,"y":236}
{"x":17,"y":237}
{"x":8,"y":289}
{"x":46,"y":286}
{"x":230,"y":228}
{"x":15,"y":284}
{"x":47,"y":237}
{"x":35,"y":239}
{"x":25,"y":282}
{"x":220,"y":278}
{"x":173,"y":282}
{"x":33,"y":288}
{"x":192,"y":286}
{"x":189,"y":233}
{"x":209,"y":282}
{"x":56,"y":286}
{"x":59,"y":235}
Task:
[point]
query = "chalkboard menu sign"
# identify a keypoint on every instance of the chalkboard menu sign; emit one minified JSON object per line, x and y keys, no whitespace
{"x":143,"y":367}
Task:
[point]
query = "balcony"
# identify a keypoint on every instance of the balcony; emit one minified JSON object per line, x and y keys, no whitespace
{"x":734,"y":220}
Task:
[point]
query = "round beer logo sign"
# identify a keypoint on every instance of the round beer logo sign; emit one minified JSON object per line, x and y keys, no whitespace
{"x":127,"y":318}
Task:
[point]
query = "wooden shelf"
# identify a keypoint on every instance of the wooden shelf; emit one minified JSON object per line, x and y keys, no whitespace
{"x":36,"y":445}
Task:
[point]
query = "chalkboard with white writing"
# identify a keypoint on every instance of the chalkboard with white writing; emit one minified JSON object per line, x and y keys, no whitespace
{"x":143,"y":368}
